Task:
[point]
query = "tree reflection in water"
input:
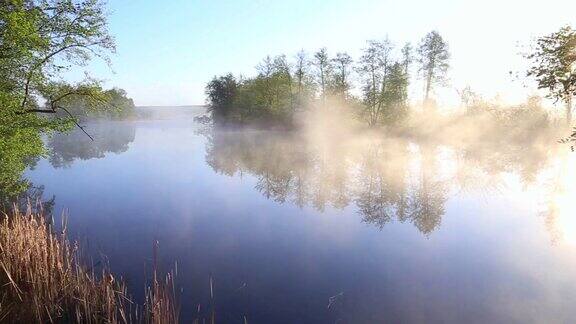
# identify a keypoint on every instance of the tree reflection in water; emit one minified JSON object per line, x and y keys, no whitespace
{"x":32,"y":198}
{"x":386,"y":178}
{"x":63,"y":150}
{"x":109,"y":136}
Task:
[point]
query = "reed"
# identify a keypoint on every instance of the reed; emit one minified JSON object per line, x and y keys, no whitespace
{"x":43,"y":280}
{"x":160,"y":305}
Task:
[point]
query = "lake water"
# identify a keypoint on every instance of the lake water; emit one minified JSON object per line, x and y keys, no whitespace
{"x":316,"y":228}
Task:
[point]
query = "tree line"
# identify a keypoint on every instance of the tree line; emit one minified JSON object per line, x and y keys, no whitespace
{"x":375,"y":84}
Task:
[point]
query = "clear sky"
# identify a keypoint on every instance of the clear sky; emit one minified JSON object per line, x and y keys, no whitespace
{"x":168,"y":50}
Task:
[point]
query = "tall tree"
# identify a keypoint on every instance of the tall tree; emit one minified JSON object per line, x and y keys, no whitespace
{"x":302,"y":78}
{"x":221,"y":92}
{"x":554,"y":66}
{"x":342,"y":65}
{"x":407,"y":58}
{"x":374,"y":65}
{"x":300,"y":70}
{"x":395,"y":94}
{"x":283,"y":80}
{"x":323,"y":67}
{"x":433,"y":56}
{"x":265,"y":70}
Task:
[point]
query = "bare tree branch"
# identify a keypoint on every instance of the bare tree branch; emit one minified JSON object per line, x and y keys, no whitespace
{"x":76,"y":122}
{"x":46,"y":59}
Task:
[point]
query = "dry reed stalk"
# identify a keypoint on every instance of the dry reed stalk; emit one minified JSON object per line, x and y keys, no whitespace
{"x":42,"y":280}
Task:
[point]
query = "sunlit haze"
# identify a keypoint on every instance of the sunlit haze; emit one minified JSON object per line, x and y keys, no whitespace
{"x":310,"y":162}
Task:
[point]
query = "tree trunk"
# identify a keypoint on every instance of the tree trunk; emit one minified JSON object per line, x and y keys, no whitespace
{"x":428,"y":85}
{"x":323,"y":86}
{"x":569,"y":110}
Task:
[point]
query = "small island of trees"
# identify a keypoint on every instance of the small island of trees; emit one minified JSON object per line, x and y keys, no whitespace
{"x":374,"y":87}
{"x":284,"y":87}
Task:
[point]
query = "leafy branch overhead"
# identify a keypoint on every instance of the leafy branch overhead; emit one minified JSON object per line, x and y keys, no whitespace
{"x":39,"y":41}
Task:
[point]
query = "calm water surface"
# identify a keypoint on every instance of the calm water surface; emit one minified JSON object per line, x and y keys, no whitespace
{"x":322,"y":229}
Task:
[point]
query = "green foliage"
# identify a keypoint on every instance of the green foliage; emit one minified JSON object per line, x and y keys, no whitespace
{"x":321,"y":62}
{"x":433,"y":57}
{"x":20,"y":144}
{"x":282,"y":89}
{"x":47,"y":38}
{"x":122,"y":106}
{"x":18,"y":149}
{"x":340,"y":83}
{"x":89,"y":101}
{"x":394,"y":94}
{"x":39,"y":40}
{"x":221,"y":92}
{"x":554,"y":65}
{"x":385,"y":81}
{"x":304,"y":82}
{"x":270,"y":97}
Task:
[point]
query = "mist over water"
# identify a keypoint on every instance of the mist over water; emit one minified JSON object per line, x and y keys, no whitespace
{"x":445,"y":219}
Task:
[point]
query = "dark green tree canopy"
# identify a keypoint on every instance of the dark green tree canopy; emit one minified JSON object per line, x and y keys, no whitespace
{"x":221,"y":92}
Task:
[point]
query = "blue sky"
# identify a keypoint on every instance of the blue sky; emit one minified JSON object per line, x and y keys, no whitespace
{"x":168,"y":50}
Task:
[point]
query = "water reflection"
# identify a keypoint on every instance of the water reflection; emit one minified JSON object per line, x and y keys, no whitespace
{"x":223,"y":204}
{"x":559,"y":213}
{"x":32,"y":198}
{"x":109,"y":137}
{"x":385,"y":178}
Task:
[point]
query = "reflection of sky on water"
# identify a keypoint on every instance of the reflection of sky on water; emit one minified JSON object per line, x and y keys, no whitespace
{"x":492,"y":251}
